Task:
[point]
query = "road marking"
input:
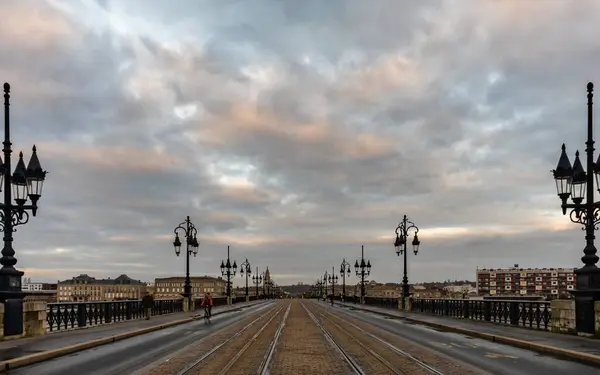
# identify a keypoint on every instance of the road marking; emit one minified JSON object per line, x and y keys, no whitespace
{"x":455,"y":345}
{"x":498,"y":355}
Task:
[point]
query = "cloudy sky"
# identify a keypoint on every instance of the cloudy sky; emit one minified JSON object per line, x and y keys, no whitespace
{"x":297,"y":131}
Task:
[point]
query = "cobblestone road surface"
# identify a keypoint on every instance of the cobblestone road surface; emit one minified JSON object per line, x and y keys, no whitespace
{"x":303,"y":349}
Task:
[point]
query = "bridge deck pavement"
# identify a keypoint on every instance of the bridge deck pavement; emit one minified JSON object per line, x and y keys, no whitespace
{"x":547,"y":338}
{"x":21,"y":347}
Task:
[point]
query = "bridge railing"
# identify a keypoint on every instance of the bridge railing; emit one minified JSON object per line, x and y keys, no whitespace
{"x":530,"y":314}
{"x":63,"y":316}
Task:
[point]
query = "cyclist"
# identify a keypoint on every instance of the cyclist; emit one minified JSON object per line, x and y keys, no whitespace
{"x":208,"y":303}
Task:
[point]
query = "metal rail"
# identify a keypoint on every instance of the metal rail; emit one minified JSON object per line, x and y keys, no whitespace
{"x":237,"y":356}
{"x":401,"y":352}
{"x":390,"y":366}
{"x":355,"y":367}
{"x":194,"y":364}
{"x":265,"y":365}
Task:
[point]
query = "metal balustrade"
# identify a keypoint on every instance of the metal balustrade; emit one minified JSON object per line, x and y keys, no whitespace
{"x":529,"y":314}
{"x":64,"y":316}
{"x":72,"y":315}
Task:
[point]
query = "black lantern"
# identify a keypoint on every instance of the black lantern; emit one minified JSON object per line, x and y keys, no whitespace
{"x":402,"y":234}
{"x":190,"y":232}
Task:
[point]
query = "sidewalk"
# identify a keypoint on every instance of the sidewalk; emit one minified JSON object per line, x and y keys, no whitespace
{"x":522,"y":337}
{"x":21,"y":347}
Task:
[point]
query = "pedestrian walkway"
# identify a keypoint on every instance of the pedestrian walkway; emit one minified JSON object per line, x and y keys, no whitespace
{"x":21,"y":347}
{"x":539,"y":337}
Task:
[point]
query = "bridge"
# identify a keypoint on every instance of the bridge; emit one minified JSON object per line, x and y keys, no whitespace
{"x":303,"y":336}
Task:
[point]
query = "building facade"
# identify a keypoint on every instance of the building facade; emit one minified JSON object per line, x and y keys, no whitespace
{"x":30,"y":286}
{"x":516,"y":281}
{"x":85,"y":288}
{"x":172,"y":287}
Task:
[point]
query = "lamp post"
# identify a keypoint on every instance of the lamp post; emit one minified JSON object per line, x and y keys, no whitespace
{"x":191,"y":244}
{"x":344,"y":272}
{"x":228,"y":271}
{"x":362,"y":270}
{"x":245,"y":269}
{"x":257,"y":279}
{"x":325,"y":282}
{"x":333,"y":278}
{"x":574,"y":182}
{"x":402,"y":231}
{"x":25,"y":182}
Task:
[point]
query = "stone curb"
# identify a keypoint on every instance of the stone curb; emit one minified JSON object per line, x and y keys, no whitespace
{"x":572,"y":355}
{"x":46,"y":355}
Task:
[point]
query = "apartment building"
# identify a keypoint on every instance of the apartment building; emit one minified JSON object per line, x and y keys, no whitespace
{"x":85,"y":288}
{"x":172,"y":287}
{"x":519,"y":281}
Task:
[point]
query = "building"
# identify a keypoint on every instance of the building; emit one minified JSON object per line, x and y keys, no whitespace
{"x":516,"y":281}
{"x":172,"y":287}
{"x":30,"y":286}
{"x":85,"y":288}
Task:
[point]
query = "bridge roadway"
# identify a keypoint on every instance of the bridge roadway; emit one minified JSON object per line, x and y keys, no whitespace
{"x":304,"y":337}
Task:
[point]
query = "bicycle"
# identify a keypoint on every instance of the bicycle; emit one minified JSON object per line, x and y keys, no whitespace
{"x":206,"y":315}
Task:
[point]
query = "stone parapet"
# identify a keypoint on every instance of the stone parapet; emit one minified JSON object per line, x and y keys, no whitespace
{"x":34,"y":319}
{"x":563,"y":316}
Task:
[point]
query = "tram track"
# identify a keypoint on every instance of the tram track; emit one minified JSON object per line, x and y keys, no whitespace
{"x":233,"y":357}
{"x":367,"y":352}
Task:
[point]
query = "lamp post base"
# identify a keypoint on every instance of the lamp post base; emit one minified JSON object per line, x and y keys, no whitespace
{"x":586,"y":294}
{"x":12,"y":297}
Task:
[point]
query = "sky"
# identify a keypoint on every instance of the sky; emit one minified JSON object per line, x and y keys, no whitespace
{"x":296,"y":132}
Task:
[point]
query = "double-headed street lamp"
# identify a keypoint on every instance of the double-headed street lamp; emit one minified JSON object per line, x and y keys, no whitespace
{"x":319,"y":285}
{"x":402,"y":231}
{"x":333,"y":278}
{"x":191,"y":244}
{"x":574,"y":182}
{"x":362,"y":270}
{"x":344,"y":272}
{"x":25,"y":182}
{"x":257,"y":279}
{"x":228,"y":271}
{"x":245,"y":269}
{"x":325,"y":282}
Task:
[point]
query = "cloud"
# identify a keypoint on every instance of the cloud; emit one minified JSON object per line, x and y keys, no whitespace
{"x":295,"y":132}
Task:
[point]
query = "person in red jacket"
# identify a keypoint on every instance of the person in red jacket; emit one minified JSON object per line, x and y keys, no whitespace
{"x":208,"y":302}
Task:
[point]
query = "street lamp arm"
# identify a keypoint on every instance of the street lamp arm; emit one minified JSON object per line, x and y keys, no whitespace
{"x":404,"y":229}
{"x":182,"y":228}
{"x":580,"y":216}
{"x":17,"y":218}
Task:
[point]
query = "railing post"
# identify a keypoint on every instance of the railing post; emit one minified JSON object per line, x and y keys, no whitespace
{"x":81,"y":314}
{"x":128,"y":310}
{"x":465,"y":308}
{"x":107,"y":312}
{"x":514,"y":312}
{"x":487,"y":310}
{"x":446,"y":307}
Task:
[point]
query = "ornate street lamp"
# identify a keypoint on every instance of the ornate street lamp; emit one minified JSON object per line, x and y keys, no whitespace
{"x":245,"y":269}
{"x":574,"y":182}
{"x":25,"y":182}
{"x":257,"y":279}
{"x":325,"y":282}
{"x":191,"y":244}
{"x":333,"y":278}
{"x":402,"y":232}
{"x":228,"y":270}
{"x":344,"y":272}
{"x":362,"y":270}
